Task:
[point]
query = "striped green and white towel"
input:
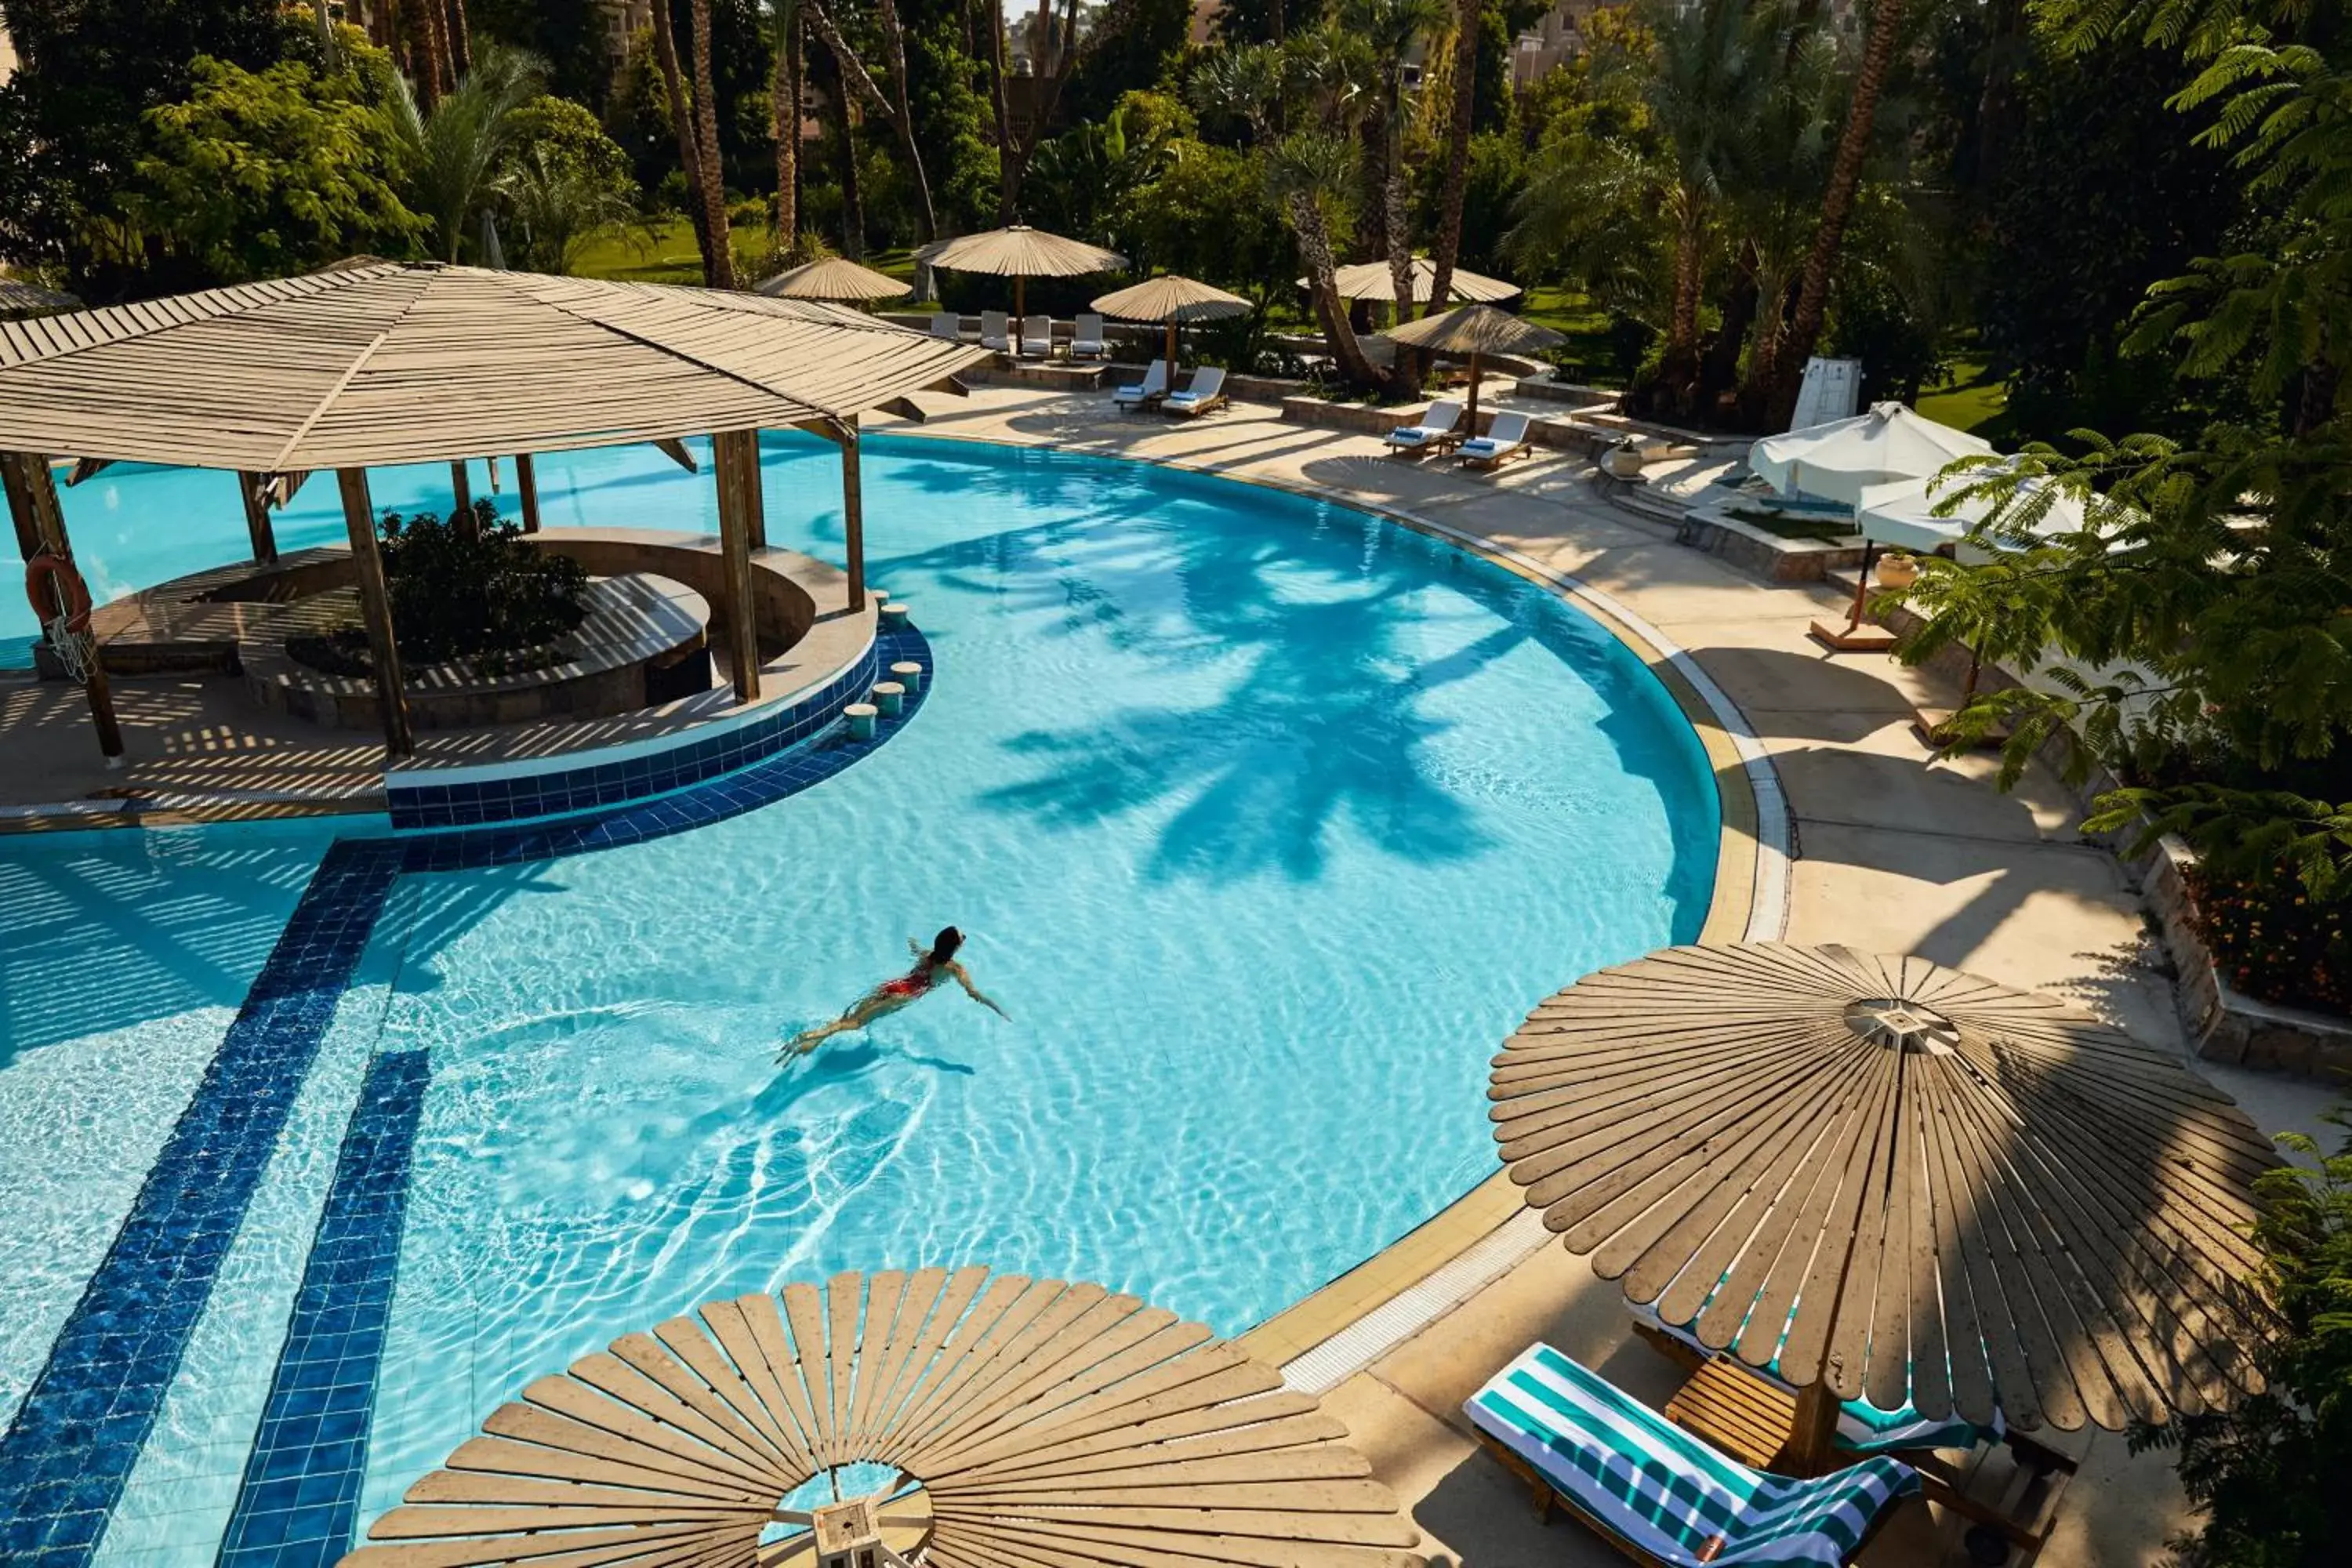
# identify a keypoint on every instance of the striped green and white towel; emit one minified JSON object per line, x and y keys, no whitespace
{"x":1667,"y":1493}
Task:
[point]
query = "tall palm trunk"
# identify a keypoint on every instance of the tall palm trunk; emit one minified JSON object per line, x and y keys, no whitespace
{"x":1315,"y":250}
{"x":853,"y":199}
{"x":1010,"y":160}
{"x":1398,"y":237}
{"x":1678,"y":362}
{"x":903,"y":111}
{"x":719,"y":260}
{"x":681,"y":117}
{"x":424,"y":61}
{"x":784,"y":102}
{"x":1467,"y":20}
{"x":461,"y":41}
{"x":1837,"y":207}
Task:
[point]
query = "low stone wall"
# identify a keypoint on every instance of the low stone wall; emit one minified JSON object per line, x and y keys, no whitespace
{"x":1760,"y":551}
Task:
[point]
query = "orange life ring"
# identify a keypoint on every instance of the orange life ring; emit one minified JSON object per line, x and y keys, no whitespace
{"x":54,"y":586}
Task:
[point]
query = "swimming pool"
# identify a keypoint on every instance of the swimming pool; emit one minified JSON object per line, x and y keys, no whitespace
{"x":1268,"y":820}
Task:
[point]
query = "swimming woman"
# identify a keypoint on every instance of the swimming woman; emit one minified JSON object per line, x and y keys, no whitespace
{"x":939,"y":963}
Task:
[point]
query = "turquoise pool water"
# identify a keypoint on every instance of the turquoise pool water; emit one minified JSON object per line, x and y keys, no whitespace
{"x":1268,"y":821}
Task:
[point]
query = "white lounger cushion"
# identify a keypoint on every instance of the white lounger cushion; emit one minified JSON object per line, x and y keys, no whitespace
{"x":993,"y":331}
{"x":1441,"y":419}
{"x":1508,"y":433}
{"x":1086,"y":337}
{"x":1208,"y":386}
{"x":1153,"y":386}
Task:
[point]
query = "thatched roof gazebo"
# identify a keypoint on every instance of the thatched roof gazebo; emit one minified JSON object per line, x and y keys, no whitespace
{"x":1026,"y":1421}
{"x":380,"y":362}
{"x":1896,"y":1182}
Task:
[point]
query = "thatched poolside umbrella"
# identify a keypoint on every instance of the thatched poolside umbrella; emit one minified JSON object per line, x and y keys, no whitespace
{"x":1022,"y":253}
{"x":1942,"y":1190}
{"x":1031,"y":1421}
{"x":1468,"y":332}
{"x":1173,"y":300}
{"x":831,"y":277}
{"x":1371,"y":280}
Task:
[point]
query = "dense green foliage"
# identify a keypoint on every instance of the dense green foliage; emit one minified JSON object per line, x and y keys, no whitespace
{"x":257,"y":174}
{"x":468,"y":584}
{"x":2267,"y":1477}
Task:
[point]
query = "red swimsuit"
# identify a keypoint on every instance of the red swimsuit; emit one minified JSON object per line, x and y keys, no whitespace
{"x":914,"y":983}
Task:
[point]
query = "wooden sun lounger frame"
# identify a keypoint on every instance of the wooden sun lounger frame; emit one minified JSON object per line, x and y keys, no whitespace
{"x":1945,"y":1483}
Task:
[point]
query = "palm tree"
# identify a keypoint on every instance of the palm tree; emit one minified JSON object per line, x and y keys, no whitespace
{"x":452,"y":151}
{"x":1704,"y":88}
{"x":719,"y":256}
{"x":1837,"y":207}
{"x":709,"y":217}
{"x":784,"y":103}
{"x":1468,"y":17}
{"x":1389,"y":29}
{"x":1308,"y":172}
{"x":557,"y":205}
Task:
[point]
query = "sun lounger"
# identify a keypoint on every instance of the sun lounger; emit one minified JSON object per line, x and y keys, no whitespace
{"x":1206,"y":393}
{"x":1434,"y":427}
{"x":1505,"y":438}
{"x":1086,"y":339}
{"x":1145,"y":393}
{"x":994,"y":332}
{"x":1660,"y":1494}
{"x":949,"y":325}
{"x":1037,"y":337}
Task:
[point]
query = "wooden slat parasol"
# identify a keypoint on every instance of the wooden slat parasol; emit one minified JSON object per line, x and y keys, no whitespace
{"x":1020,"y":253}
{"x":18,"y":297}
{"x":1941,"y":1191}
{"x":831,"y":277}
{"x":1468,"y":332}
{"x":1031,"y":1421}
{"x":1174,"y":300}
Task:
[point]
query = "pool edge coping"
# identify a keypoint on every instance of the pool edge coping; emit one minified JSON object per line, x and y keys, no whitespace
{"x":1351,"y":1320}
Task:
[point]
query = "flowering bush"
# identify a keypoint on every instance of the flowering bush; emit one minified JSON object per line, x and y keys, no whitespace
{"x":2275,"y":942}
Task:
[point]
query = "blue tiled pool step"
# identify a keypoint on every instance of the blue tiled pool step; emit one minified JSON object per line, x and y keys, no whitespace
{"x":66,"y":1455}
{"x":74,"y":1440}
{"x":299,"y":1501}
{"x":688,"y":758}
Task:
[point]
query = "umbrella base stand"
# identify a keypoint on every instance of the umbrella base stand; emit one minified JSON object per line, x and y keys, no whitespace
{"x":1858,"y":638}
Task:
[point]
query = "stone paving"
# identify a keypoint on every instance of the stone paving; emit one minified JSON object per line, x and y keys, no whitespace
{"x":1894,"y":852}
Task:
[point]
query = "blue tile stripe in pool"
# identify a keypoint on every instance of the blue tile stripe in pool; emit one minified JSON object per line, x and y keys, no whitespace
{"x":66,"y":1457}
{"x":74,"y":1440}
{"x":299,"y":1503}
{"x":689,"y":762}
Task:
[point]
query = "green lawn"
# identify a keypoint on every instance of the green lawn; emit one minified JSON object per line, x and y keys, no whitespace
{"x":1971,"y":400}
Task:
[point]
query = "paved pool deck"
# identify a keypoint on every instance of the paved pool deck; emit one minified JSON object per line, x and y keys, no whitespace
{"x":1892,"y":852}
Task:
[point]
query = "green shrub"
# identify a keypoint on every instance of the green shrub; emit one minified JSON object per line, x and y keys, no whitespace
{"x":467,"y":585}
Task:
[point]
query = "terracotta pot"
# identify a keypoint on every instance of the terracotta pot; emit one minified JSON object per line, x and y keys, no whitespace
{"x":1898,"y":572}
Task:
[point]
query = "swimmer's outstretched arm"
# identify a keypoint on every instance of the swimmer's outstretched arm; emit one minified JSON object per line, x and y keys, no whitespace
{"x":964,"y":978}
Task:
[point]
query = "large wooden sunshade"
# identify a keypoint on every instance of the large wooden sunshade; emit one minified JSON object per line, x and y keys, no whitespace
{"x":1940,"y":1189}
{"x":1045,"y":1423}
{"x":396,"y":362}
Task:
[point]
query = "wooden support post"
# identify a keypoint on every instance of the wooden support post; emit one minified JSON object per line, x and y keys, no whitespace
{"x":460,"y":487}
{"x":253,"y":490}
{"x":375,"y":609}
{"x":1812,"y":1447}
{"x":40,"y":485}
{"x":527,"y":490}
{"x":735,"y":454}
{"x":853,"y":511}
{"x":20,"y":506}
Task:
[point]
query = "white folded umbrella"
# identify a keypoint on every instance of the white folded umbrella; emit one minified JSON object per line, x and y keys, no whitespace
{"x":1836,"y":460}
{"x":1903,"y":513}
